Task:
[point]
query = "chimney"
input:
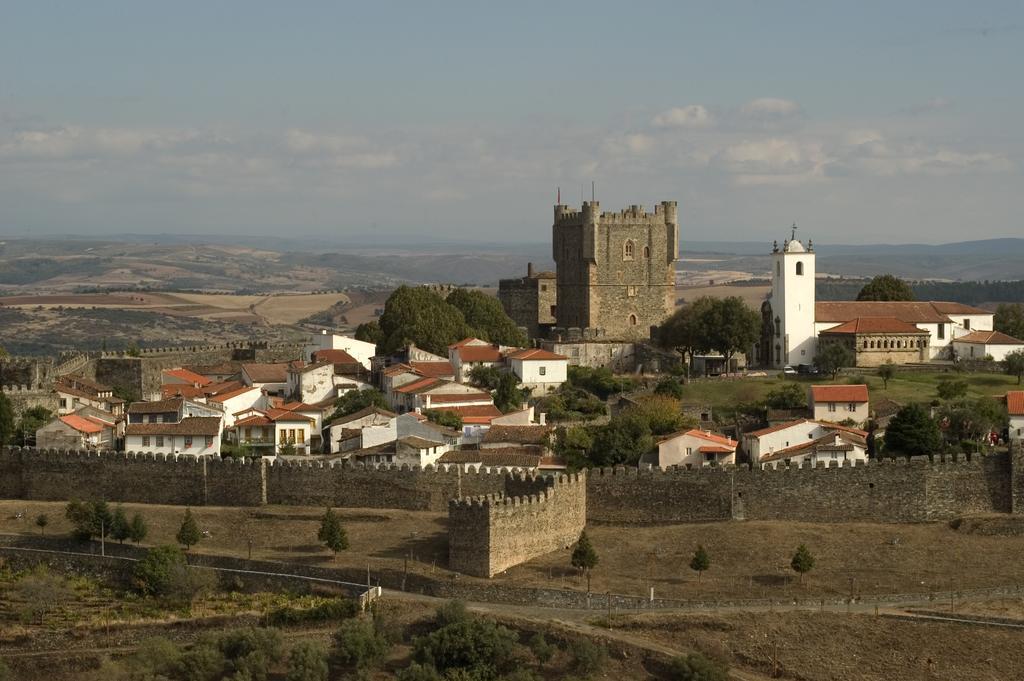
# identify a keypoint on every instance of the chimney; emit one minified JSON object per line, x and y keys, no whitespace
{"x":529,"y":269}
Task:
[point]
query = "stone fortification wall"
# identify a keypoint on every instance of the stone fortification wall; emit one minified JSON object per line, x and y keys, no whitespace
{"x":534,"y":516}
{"x":884,"y":491}
{"x":879,"y":491}
{"x":405,"y":487}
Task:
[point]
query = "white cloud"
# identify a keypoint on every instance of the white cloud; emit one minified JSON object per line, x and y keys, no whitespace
{"x":772,"y":161}
{"x":692,"y":116}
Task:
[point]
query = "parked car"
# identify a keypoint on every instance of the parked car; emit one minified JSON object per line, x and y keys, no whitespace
{"x":807,"y":369}
{"x":789,"y":371}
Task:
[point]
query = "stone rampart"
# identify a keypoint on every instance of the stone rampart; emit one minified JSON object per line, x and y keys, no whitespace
{"x":534,"y":516}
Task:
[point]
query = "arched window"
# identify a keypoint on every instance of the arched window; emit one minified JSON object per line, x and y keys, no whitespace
{"x":800,"y":268}
{"x":778,"y":354}
{"x":865,"y":345}
{"x":632,"y":320}
{"x":778,"y":328}
{"x":647,"y":251}
{"x":627,"y":250}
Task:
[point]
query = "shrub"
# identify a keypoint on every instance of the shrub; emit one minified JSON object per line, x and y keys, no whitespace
{"x":476,"y":646}
{"x":154,"y":574}
{"x":325,"y":611}
{"x":418,"y":672}
{"x":307,"y":662}
{"x":541,"y":649}
{"x":696,"y":667}
{"x":588,"y":658}
{"x":358,"y":644}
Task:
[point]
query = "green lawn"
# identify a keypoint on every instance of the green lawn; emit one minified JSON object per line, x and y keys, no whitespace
{"x":906,"y":387}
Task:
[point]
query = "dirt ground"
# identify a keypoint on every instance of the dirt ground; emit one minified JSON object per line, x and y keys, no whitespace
{"x":835,"y":647}
{"x":751,"y":295}
{"x":748,"y":559}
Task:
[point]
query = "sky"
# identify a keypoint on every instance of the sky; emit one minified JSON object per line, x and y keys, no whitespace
{"x":863,"y":122}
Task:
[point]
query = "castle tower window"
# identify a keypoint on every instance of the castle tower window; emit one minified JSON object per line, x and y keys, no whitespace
{"x":800,"y":268}
{"x":627,"y":250}
{"x":632,"y":320}
{"x":647,"y":254}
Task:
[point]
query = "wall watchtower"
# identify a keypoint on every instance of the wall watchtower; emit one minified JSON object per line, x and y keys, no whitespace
{"x":615,"y":271}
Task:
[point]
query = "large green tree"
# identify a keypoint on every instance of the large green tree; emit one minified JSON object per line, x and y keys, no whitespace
{"x":886,"y":287}
{"x":687,"y":331}
{"x":418,"y":315}
{"x":486,"y":317}
{"x":1009,"y":319}
{"x":912,"y":431}
{"x":623,"y":440}
{"x":354,"y":400}
{"x":32,"y":419}
{"x":369,"y":332}
{"x":734,"y":327}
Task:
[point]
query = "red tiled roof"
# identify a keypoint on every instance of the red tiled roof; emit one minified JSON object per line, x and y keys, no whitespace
{"x":224,"y":396}
{"x":876,"y":325}
{"x":703,"y":435}
{"x":907,"y":311}
{"x":187,"y":376}
{"x":511,"y":457}
{"x":192,"y":425}
{"x":475,"y":414}
{"x":418,"y":385}
{"x":467,"y":341}
{"x":285,"y":415}
{"x":267,"y":373}
{"x":989,"y":338}
{"x":434,"y":369}
{"x":839,"y":393}
{"x":480,"y":396}
{"x":80,"y":424}
{"x":1015,"y":402}
{"x":790,"y":424}
{"x":535,"y":354}
{"x":826,"y":441}
{"x":169,"y":390}
{"x":396,"y":369}
{"x":479,"y":353}
{"x":715,"y":449}
{"x":334,"y":357}
{"x":254,"y":420}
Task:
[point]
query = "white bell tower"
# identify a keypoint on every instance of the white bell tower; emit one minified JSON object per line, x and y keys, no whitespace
{"x":794,"y":340}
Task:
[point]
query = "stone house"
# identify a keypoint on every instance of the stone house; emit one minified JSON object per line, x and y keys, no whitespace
{"x":74,"y":392}
{"x":696,"y":448}
{"x":530,"y":301}
{"x":515,"y":436}
{"x":838,"y":403}
{"x":87,"y":428}
{"x":877,"y":340}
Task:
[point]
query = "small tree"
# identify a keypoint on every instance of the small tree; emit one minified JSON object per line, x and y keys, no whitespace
{"x":188,"y":533}
{"x":886,"y":372}
{"x":541,"y":649}
{"x":155,"y":573}
{"x":41,"y":522}
{"x":584,"y":557}
{"x":912,"y":432}
{"x":1014,"y":364}
{"x":700,"y":562}
{"x":952,"y":390}
{"x":802,"y":561}
{"x":331,"y":533}
{"x":120,"y":528}
{"x":137,"y":529}
{"x":307,"y":661}
{"x":358,"y":644}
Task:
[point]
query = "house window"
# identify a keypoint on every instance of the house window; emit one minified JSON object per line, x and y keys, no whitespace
{"x":209,"y":440}
{"x":302,"y":435}
{"x":284,"y":436}
{"x":145,"y":440}
{"x":800,"y":268}
{"x":627,"y":250}
{"x":543,"y":287}
{"x":63,"y":403}
{"x":689,"y":451}
{"x":159,"y":440}
{"x":972,"y":351}
{"x":831,"y":406}
{"x":188,"y":441}
{"x":967,"y":323}
{"x":543,"y":371}
{"x":851,"y":407}
{"x":942,"y":331}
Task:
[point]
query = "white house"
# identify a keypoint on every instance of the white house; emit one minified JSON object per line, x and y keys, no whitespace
{"x":192,"y":436}
{"x":832,"y":448}
{"x":837,"y":403}
{"x":311,"y":383}
{"x":348,"y":432}
{"x":982,"y":344}
{"x":793,"y":319}
{"x":362,"y":351}
{"x":538,"y":369}
{"x":237,"y":400}
{"x":470,"y":353}
{"x":696,"y":448}
{"x":267,"y":431}
{"x":790,"y":440}
{"x":1015,"y":409}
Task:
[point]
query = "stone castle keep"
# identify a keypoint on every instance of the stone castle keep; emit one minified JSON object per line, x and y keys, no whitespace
{"x":614,"y":276}
{"x":497,"y":520}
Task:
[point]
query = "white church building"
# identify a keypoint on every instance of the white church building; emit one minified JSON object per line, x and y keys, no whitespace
{"x":795,"y":324}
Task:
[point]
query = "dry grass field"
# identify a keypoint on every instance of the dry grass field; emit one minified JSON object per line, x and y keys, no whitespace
{"x":751,"y":295}
{"x":839,"y":647}
{"x":748,"y":559}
